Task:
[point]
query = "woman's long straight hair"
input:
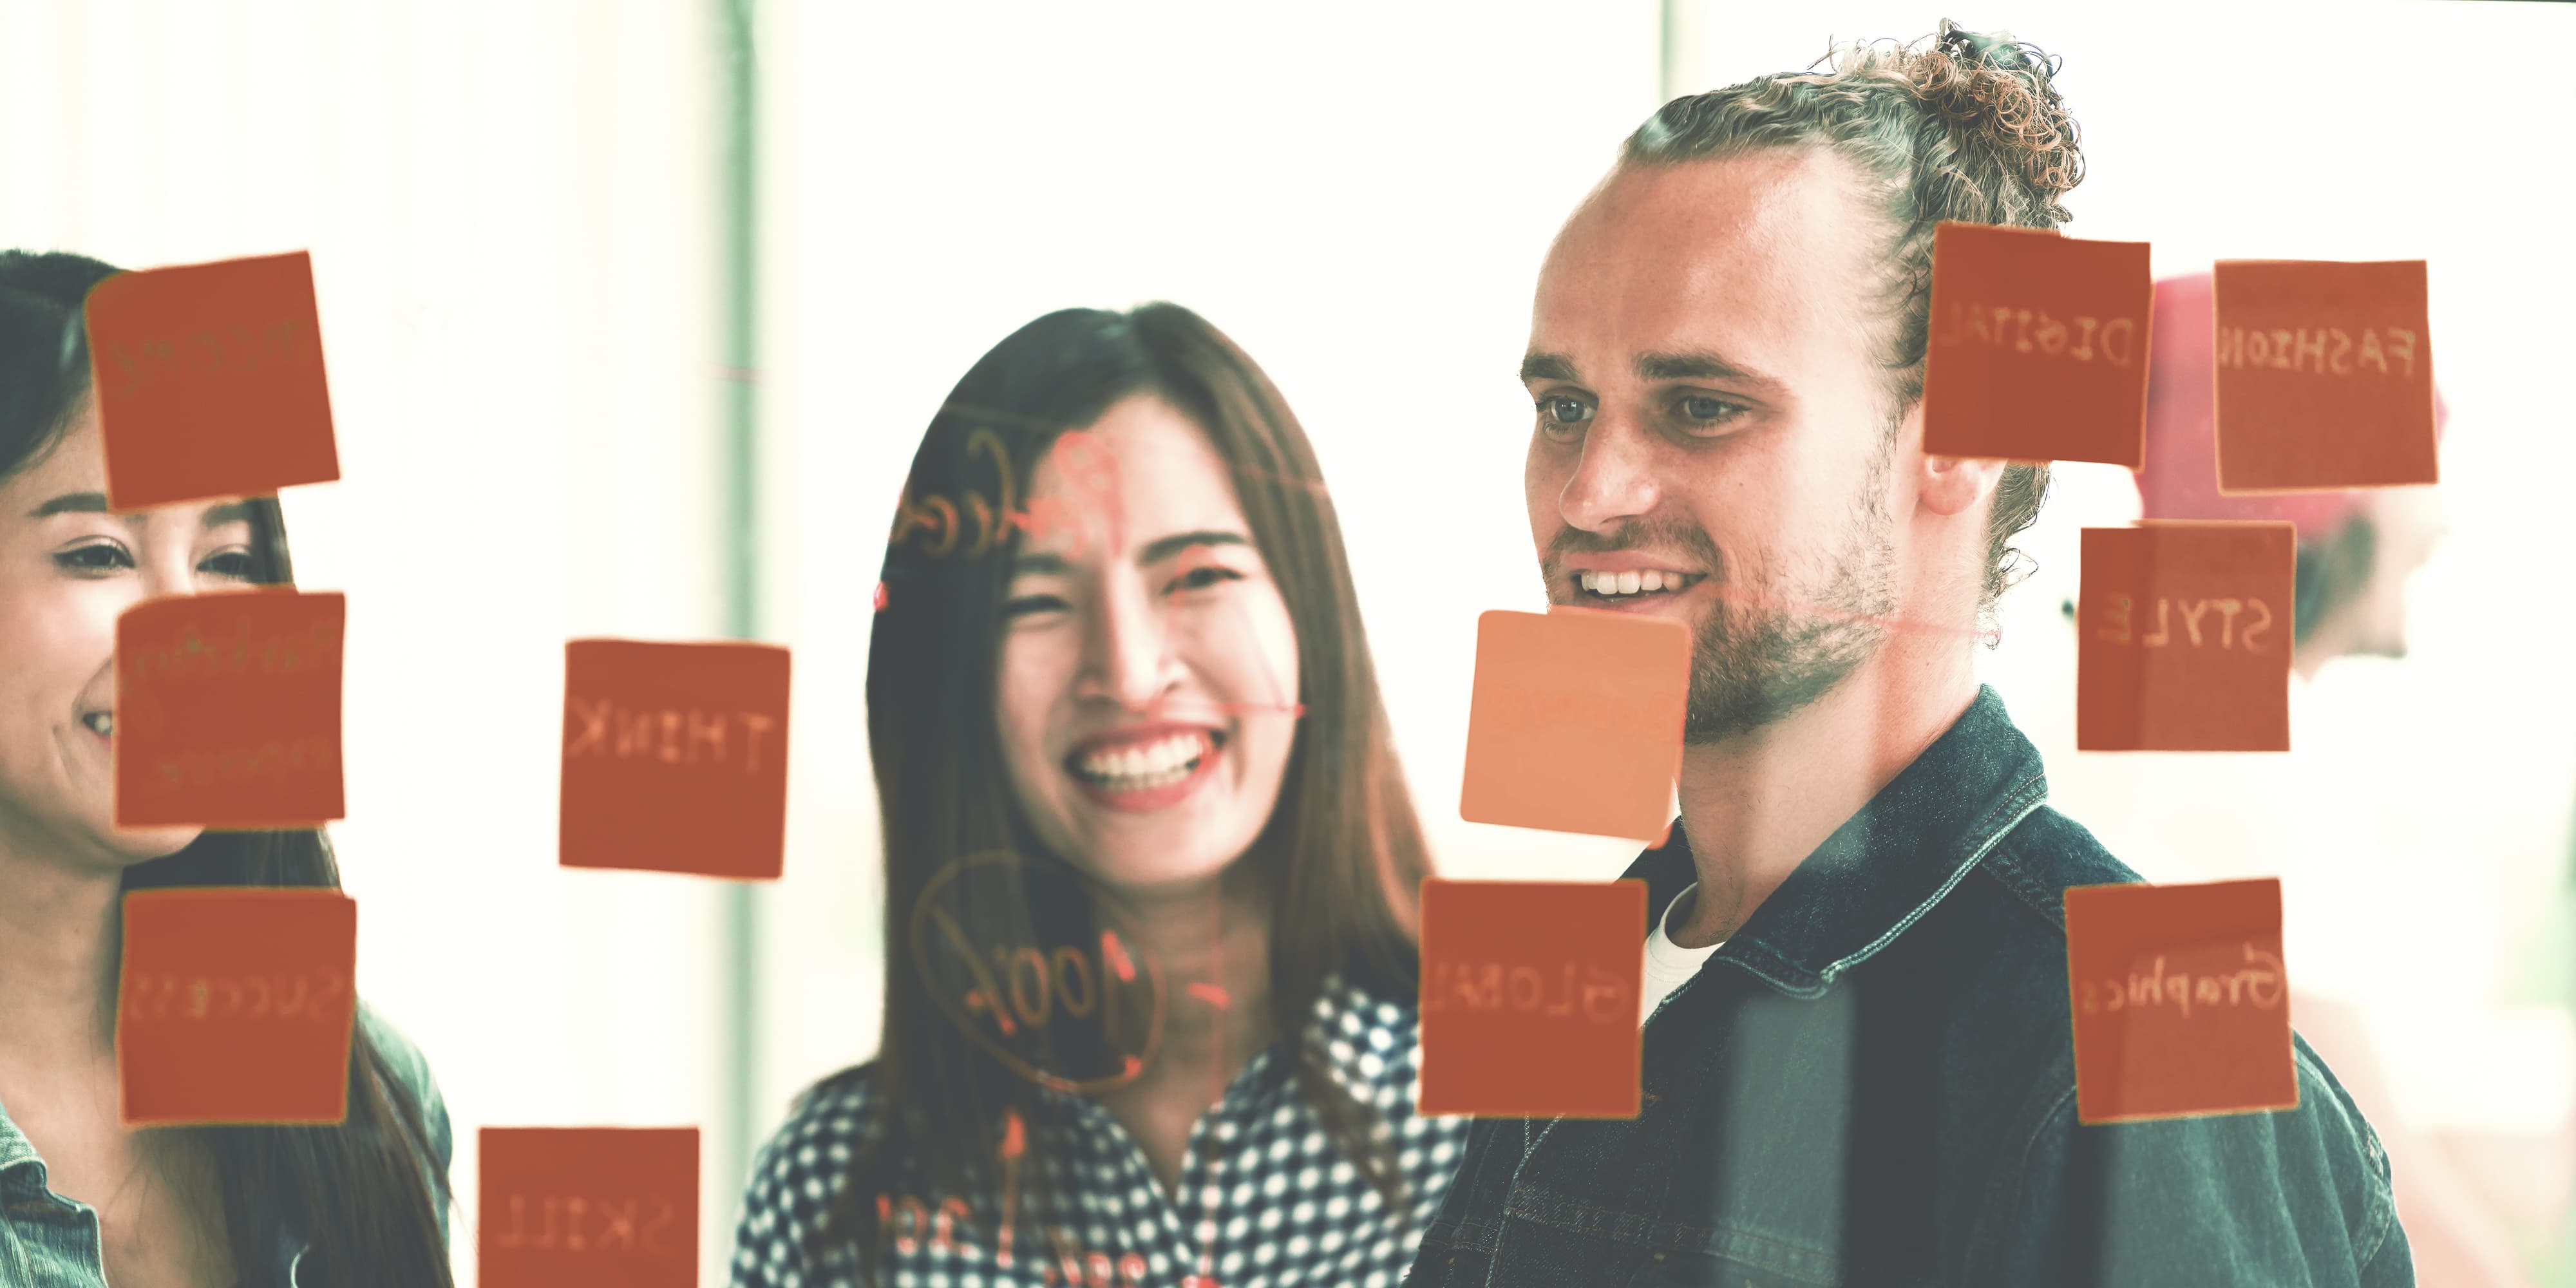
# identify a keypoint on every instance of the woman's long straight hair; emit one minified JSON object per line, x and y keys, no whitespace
{"x":1339,"y":865}
{"x":358,"y":1194}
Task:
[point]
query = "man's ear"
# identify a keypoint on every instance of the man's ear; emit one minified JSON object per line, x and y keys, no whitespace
{"x":1951,"y":485}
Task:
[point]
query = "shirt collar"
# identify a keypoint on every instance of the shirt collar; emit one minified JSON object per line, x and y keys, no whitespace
{"x":16,"y":1151}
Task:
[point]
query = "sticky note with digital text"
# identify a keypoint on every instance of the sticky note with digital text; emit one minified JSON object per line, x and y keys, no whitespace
{"x":2183,"y":637}
{"x":675,"y":757}
{"x":2038,"y":346}
{"x":2180,"y":999}
{"x":1575,"y":721}
{"x":209,"y":381}
{"x":1529,"y":997}
{"x":2324,"y":375}
{"x":228,"y":710}
{"x":236,"y":1005}
{"x":588,"y":1207}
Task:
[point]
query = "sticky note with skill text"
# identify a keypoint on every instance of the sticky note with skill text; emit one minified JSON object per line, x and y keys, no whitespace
{"x":2180,"y":999}
{"x":228,"y":710}
{"x":2038,"y":346}
{"x":675,"y":757}
{"x":1529,"y":997}
{"x":1575,"y":721}
{"x":209,"y":381}
{"x":2183,"y":637}
{"x":588,"y":1207}
{"x":236,"y":1005}
{"x":2324,"y":375}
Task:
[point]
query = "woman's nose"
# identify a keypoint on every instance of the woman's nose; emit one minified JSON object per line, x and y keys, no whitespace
{"x":1130,"y":658}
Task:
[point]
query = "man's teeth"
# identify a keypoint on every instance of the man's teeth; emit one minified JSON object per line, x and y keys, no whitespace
{"x":1631,"y":583}
{"x":102,"y":723}
{"x":1155,"y":764}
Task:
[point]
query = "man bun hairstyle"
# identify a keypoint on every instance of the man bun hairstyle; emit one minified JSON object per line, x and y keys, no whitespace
{"x":1962,"y":126}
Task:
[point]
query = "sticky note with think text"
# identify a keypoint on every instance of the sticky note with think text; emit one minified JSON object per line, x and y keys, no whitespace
{"x":2038,"y":346}
{"x":1575,"y":721}
{"x":675,"y":757}
{"x":236,"y":1005}
{"x":228,"y":710}
{"x":2183,"y":637}
{"x":588,"y":1207}
{"x":2325,"y":375}
{"x":2181,"y":1002}
{"x":1530,"y":992}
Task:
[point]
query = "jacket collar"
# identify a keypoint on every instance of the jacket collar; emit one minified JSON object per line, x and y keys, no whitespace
{"x":1886,"y":865}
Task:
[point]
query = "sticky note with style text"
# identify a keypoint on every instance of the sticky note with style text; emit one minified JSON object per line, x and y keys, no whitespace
{"x":209,"y":381}
{"x":1530,"y":992}
{"x":675,"y":758}
{"x":588,"y":1207}
{"x":228,"y":710}
{"x":2183,"y":637}
{"x":2038,"y":346}
{"x":2181,"y":1001}
{"x":2324,"y":375}
{"x":236,"y":1005}
{"x":1575,"y":721}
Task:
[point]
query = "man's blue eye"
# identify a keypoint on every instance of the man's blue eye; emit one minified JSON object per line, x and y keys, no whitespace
{"x":1566,"y":411}
{"x":1705,"y":408}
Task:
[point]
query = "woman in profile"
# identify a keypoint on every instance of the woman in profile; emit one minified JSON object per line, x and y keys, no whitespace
{"x":1150,"y":968}
{"x":84,"y":1200}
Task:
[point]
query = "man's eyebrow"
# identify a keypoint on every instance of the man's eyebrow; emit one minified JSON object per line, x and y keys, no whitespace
{"x":72,"y":503}
{"x":1546,"y":366}
{"x":1698,"y":366}
{"x":1042,"y":564}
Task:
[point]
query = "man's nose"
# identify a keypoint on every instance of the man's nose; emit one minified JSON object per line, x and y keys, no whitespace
{"x":1613,"y":480}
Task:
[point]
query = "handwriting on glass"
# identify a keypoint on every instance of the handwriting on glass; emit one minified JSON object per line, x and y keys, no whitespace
{"x":2330,"y":348}
{"x":2079,"y":338}
{"x":301,"y":996}
{"x":1080,"y":456}
{"x":587,"y":1223}
{"x":667,"y":734}
{"x":2259,"y":984}
{"x":1491,"y":986}
{"x":2118,"y":629}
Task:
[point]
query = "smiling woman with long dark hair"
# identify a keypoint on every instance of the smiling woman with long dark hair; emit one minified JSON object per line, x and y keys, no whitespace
{"x":84,"y":1200}
{"x":1150,"y":965}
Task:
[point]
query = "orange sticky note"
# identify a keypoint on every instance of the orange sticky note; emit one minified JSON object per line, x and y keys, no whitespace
{"x":1529,"y":997}
{"x":675,"y":757}
{"x":2325,"y":375}
{"x":236,"y":1005}
{"x":2183,"y":637}
{"x":588,"y":1207}
{"x":210,"y":381}
{"x":228,"y":710}
{"x":2038,"y":349}
{"x":2180,"y":1000}
{"x":1575,"y":722}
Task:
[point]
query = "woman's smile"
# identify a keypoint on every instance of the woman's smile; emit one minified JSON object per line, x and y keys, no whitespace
{"x":1146,"y":767}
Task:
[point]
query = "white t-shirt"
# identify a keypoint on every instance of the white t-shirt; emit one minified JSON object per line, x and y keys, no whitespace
{"x":1668,"y":964}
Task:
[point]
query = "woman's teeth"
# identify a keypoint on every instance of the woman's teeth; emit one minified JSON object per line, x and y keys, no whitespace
{"x":1144,"y":768}
{"x":102,"y":723}
{"x":1634,"y":583}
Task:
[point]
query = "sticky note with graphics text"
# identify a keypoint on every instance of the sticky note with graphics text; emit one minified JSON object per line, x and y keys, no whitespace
{"x":209,"y":381}
{"x":2038,"y":346}
{"x":2324,"y":375}
{"x":228,"y":710}
{"x":1575,"y":721}
{"x":236,"y":1005}
{"x":2180,"y":998}
{"x":675,"y":757}
{"x":1529,"y":997}
{"x":2183,"y":637}
{"x":588,"y":1207}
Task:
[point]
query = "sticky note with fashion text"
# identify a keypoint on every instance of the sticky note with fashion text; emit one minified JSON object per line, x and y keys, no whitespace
{"x":675,"y":758}
{"x":588,"y":1207}
{"x":228,"y":710}
{"x":2183,"y":637}
{"x":236,"y":1005}
{"x":2181,"y":1002}
{"x":209,"y":381}
{"x":2324,"y":375}
{"x":1575,"y":721}
{"x":1529,"y":997}
{"x":2038,"y":347}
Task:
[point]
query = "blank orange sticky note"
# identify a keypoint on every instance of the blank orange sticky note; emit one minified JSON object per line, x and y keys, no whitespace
{"x":2183,"y":637}
{"x":675,"y":757}
{"x":2180,"y":999}
{"x":2038,"y":348}
{"x":228,"y":710}
{"x":236,"y":1005}
{"x":1575,"y":723}
{"x":1529,"y":997}
{"x":2325,"y":375}
{"x":588,"y":1207}
{"x":210,"y":381}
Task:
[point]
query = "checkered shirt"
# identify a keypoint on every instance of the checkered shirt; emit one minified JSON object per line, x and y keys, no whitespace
{"x":1272,"y":1205}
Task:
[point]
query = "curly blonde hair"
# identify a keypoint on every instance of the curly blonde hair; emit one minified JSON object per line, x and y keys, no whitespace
{"x":1960,"y":125}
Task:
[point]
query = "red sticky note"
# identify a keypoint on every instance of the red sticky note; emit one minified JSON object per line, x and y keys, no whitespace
{"x":1575,"y":721}
{"x":675,"y":757}
{"x":2325,"y":375}
{"x":2183,"y":637}
{"x":588,"y":1207}
{"x":236,"y":1005}
{"x":1529,"y":997}
{"x":2038,"y":349}
{"x":2180,"y":1000}
{"x":228,"y":710}
{"x":210,"y":381}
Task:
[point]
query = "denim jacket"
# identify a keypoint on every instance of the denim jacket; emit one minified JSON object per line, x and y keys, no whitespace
{"x":49,"y":1241}
{"x":1872,"y":1082}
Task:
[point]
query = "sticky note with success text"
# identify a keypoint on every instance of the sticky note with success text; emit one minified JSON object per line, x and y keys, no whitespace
{"x":588,"y":1207}
{"x":1529,"y":997}
{"x":2183,"y":637}
{"x":2325,"y":375}
{"x":1575,"y":721}
{"x":2038,"y":346}
{"x":228,"y":710}
{"x":236,"y":1005}
{"x":2180,"y":999}
{"x":675,"y":757}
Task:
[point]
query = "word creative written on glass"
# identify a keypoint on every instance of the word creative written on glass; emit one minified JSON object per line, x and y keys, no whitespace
{"x":1530,"y":992}
{"x":2038,"y":349}
{"x":228,"y":710}
{"x":234,"y":1006}
{"x":1081,"y":458}
{"x":2183,"y":637}
{"x":675,"y":758}
{"x":2324,"y":375}
{"x":2179,"y":999}
{"x":588,"y":1207}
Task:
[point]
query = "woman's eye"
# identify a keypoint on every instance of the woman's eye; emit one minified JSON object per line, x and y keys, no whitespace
{"x":1204,"y":576}
{"x":99,"y":557}
{"x":1707,"y":410}
{"x":1023,"y":605}
{"x":235,"y":564}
